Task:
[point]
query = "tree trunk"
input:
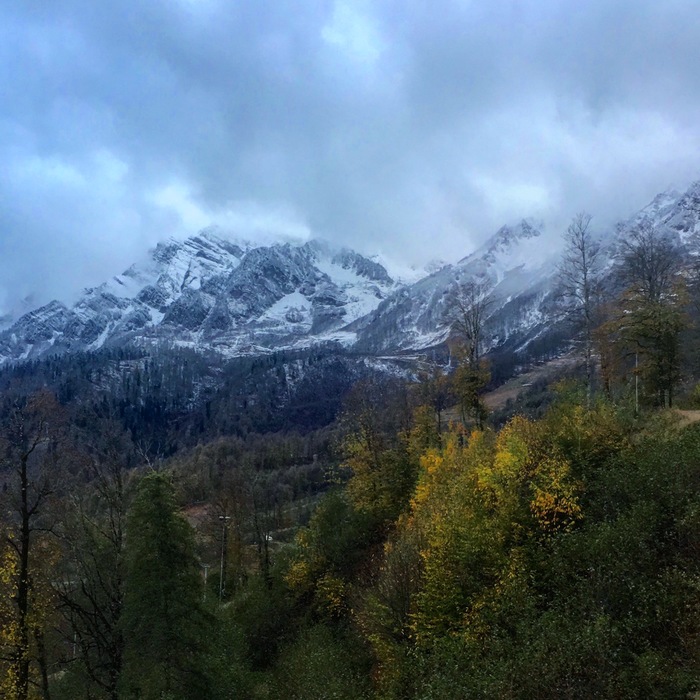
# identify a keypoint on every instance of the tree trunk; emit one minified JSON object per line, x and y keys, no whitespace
{"x":43,"y":667}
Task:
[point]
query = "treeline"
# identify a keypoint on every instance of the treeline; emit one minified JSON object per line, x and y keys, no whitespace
{"x":553,"y":558}
{"x":175,"y":399}
{"x":629,"y":310}
{"x":635,"y":312}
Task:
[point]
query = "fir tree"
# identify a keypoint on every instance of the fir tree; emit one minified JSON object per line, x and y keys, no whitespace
{"x":165,"y":626}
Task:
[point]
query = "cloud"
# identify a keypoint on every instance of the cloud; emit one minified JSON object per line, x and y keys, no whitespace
{"x":403,"y":126}
{"x":353,"y":32}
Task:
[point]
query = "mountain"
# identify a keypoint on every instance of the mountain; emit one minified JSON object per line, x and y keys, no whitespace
{"x":210,"y":293}
{"x":414,"y":317}
{"x":673,"y":214}
{"x":237,"y":298}
{"x":520,"y":265}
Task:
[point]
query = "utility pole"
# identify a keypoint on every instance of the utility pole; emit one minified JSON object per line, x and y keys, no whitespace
{"x":636,"y":384}
{"x":206,"y":576}
{"x":224,"y":519}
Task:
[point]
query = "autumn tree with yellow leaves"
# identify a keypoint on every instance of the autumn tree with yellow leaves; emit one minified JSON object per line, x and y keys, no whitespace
{"x":30,"y":453}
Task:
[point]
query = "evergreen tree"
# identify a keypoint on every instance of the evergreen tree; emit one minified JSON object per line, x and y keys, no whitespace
{"x":165,"y":625}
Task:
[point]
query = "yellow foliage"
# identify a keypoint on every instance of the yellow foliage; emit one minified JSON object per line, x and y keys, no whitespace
{"x":9,"y":627}
{"x":8,"y":567}
{"x":41,"y":607}
{"x":331,"y":596}
{"x":471,"y":501}
{"x":555,"y":503}
{"x":431,"y":462}
{"x":588,"y":435}
{"x":298,"y":576}
{"x":301,"y":574}
{"x":517,"y":446}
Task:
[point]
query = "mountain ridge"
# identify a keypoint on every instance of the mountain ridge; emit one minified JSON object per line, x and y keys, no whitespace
{"x":207,"y":291}
{"x":215,"y":293}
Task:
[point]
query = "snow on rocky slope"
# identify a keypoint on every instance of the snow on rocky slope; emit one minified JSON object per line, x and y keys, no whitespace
{"x":672,"y":213}
{"x":521,"y":267}
{"x":415,"y":317}
{"x":212,"y":293}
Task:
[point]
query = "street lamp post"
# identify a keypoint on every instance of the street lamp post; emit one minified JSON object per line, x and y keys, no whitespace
{"x":224,"y":519}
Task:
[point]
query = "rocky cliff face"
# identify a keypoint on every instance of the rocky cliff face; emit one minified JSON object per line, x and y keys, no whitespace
{"x":211,"y":293}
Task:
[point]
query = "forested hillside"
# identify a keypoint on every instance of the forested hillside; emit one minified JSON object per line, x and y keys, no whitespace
{"x":553,"y":558}
{"x":320,"y":524}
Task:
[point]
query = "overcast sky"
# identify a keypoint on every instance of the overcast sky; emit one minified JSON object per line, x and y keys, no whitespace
{"x":414,"y":128}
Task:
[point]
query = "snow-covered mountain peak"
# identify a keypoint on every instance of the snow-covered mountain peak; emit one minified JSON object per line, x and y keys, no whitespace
{"x":246,"y":239}
{"x":172,"y":267}
{"x":661,"y":204}
{"x":684,"y":217}
{"x":510,"y":248}
{"x":416,"y":317}
{"x":211,"y":292}
{"x":671,"y":213}
{"x":508,"y":235}
{"x":216,"y":291}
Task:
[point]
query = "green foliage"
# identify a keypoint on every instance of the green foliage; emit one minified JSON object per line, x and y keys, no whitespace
{"x":559,"y":559}
{"x":322,"y":664}
{"x":436,"y":394}
{"x":641,"y":337}
{"x":376,"y":447}
{"x":165,"y":626}
{"x":382,"y":480}
{"x":469,"y":380}
{"x":328,"y":553}
{"x":228,"y":660}
{"x":384,"y":612}
{"x":263,"y":612}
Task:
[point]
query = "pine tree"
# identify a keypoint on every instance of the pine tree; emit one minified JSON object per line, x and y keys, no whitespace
{"x":165,"y":625}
